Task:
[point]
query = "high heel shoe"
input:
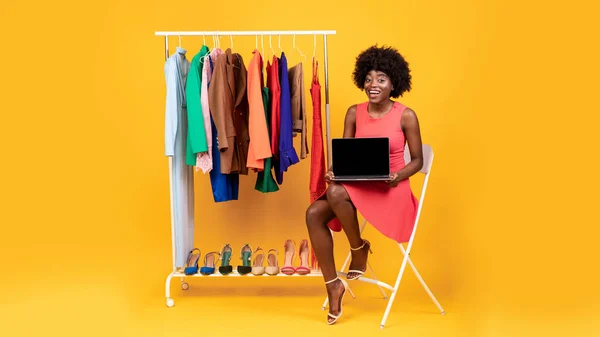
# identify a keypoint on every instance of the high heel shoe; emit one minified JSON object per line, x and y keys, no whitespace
{"x":288,"y":268}
{"x":303,"y":254}
{"x":209,"y":263}
{"x":359,"y":272}
{"x":245,"y":255}
{"x":272,"y":263}
{"x":258,"y":267}
{"x":192,"y":262}
{"x":225,"y":267}
{"x":330,"y":315}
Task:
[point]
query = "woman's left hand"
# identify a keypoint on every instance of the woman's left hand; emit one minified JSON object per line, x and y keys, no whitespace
{"x":394,"y":179}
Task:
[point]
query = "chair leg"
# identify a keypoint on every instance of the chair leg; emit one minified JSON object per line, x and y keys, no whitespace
{"x":396,"y":286}
{"x":435,"y":301}
{"x":362,"y":227}
{"x":375,"y":277}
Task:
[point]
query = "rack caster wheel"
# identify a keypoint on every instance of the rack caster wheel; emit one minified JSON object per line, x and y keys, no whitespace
{"x":170,"y":302}
{"x":185,"y":286}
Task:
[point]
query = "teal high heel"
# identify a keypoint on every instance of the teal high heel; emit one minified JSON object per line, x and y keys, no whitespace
{"x":245,"y":255}
{"x":225,"y":267}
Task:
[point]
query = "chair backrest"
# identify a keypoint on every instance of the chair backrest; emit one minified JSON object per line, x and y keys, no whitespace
{"x":427,"y":157}
{"x":427,"y":162}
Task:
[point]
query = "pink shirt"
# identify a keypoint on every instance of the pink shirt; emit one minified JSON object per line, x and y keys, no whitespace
{"x":204,"y":160}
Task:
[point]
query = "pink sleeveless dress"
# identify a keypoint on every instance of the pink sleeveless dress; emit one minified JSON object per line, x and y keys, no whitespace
{"x":391,"y":210}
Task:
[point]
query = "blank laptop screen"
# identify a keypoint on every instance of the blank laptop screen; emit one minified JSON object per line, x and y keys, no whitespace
{"x":360,"y":156}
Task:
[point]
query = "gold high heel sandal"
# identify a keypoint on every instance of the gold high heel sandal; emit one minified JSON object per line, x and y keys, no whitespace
{"x":335,"y":318}
{"x":258,"y":267}
{"x":359,"y":272}
{"x":273,"y":264}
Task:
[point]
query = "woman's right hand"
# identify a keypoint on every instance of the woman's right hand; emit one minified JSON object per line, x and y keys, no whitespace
{"x":329,"y":176}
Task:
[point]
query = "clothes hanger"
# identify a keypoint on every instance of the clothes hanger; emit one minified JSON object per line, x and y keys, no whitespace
{"x":279,"y":42}
{"x":262,"y":44}
{"x":233,"y":53}
{"x":180,"y":49}
{"x":204,"y":45}
{"x":298,"y":49}
{"x":271,"y":45}
{"x":314,"y":46}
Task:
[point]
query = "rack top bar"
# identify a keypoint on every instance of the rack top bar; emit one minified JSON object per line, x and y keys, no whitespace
{"x":248,"y":32}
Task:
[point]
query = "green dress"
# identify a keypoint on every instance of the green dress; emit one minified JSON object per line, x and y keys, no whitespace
{"x":264,"y":180}
{"x":196,"y":137}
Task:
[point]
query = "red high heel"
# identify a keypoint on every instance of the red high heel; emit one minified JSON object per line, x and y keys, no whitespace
{"x":290,"y":249}
{"x":303,"y":269}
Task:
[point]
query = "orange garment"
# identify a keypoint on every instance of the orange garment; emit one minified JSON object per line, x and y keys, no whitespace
{"x":260,"y":146}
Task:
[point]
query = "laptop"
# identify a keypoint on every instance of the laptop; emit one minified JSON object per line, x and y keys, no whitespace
{"x":360,"y":159}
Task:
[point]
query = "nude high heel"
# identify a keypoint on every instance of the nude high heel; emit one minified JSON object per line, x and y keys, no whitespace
{"x":272,"y":263}
{"x":359,"y":272}
{"x":330,"y":315}
{"x":258,"y":267}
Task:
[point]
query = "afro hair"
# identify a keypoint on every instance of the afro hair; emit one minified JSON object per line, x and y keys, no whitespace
{"x":387,"y":60}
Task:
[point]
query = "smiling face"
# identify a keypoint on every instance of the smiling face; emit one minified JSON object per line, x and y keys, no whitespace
{"x":378,"y":86}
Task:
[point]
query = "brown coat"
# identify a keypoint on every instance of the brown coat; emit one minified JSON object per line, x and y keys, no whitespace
{"x":298,"y":98}
{"x":240,"y":112}
{"x":228,"y":107}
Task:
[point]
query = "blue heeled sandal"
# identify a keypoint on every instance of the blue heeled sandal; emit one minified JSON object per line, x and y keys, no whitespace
{"x":192,"y":262}
{"x":209,"y":263}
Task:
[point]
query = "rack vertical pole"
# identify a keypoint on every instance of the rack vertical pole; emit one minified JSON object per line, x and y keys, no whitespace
{"x":171,"y":183}
{"x":166,"y":48}
{"x":328,"y":128}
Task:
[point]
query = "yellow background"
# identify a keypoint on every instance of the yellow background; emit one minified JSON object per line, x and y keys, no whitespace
{"x":506,"y":95}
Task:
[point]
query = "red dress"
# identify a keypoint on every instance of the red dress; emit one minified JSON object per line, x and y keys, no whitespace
{"x":318,"y":186}
{"x":317,"y":157}
{"x":275,"y":89}
{"x":391,"y":210}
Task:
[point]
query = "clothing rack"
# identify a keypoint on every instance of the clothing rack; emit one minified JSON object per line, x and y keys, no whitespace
{"x":179,"y":34}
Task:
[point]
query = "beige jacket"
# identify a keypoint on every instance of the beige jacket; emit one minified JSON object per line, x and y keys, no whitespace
{"x":298,"y":98}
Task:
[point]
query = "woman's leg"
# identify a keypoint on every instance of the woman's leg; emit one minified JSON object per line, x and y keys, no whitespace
{"x":344,"y":210}
{"x":317,"y":217}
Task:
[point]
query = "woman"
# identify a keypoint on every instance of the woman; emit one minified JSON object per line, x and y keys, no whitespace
{"x":389,"y":206}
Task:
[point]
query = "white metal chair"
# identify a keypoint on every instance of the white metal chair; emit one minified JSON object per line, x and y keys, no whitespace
{"x":427,"y":163}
